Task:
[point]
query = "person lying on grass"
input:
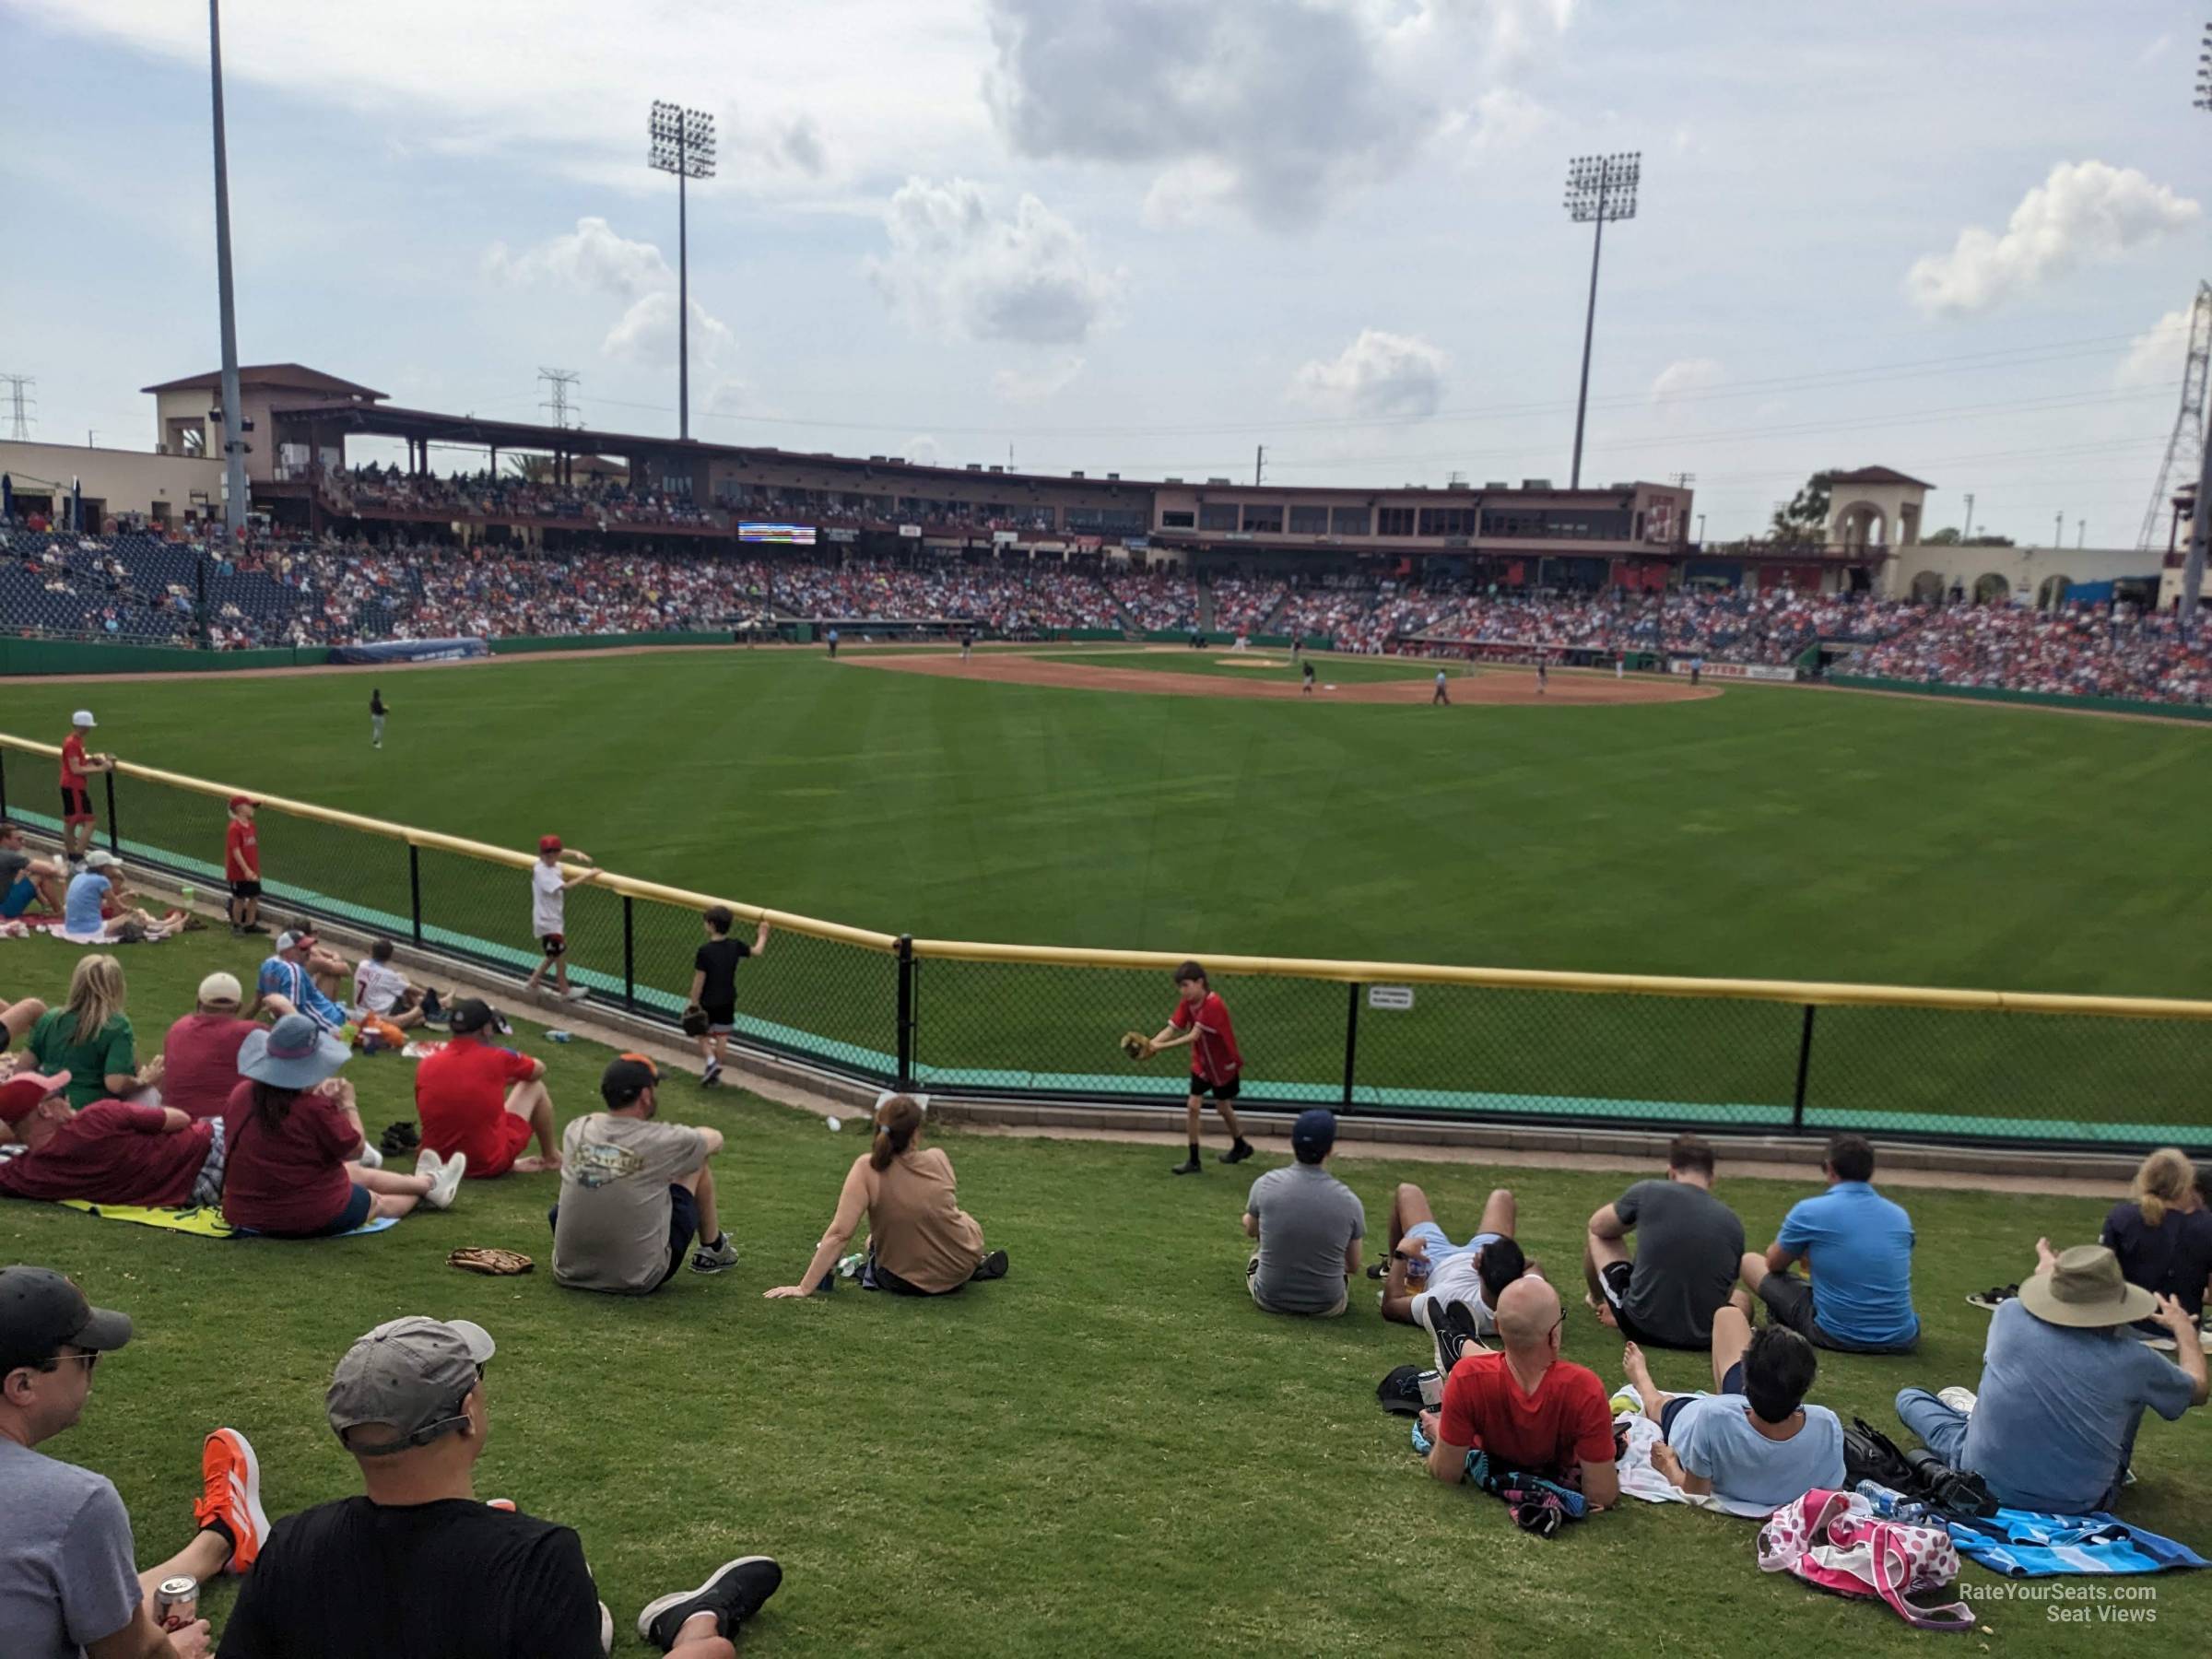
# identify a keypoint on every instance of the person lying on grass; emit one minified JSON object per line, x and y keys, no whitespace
{"x":1447,"y":1287}
{"x":294,"y":1166}
{"x":97,"y":909}
{"x":1755,"y":1442}
{"x":1526,"y":1407}
{"x":109,"y":1152}
{"x":417,"y":1564}
{"x":921,"y":1242}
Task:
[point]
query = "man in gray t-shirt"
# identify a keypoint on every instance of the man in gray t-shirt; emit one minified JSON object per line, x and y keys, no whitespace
{"x":1689,"y":1248}
{"x":1309,"y":1225}
{"x":634,"y":1190}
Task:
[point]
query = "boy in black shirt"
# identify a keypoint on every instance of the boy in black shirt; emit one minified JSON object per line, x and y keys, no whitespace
{"x":714,"y":987}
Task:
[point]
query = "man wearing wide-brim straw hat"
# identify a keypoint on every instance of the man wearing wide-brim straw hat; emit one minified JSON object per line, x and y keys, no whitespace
{"x":2064,"y":1386}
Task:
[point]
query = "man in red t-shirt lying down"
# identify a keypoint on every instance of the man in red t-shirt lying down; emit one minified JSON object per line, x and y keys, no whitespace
{"x":477,"y":1097}
{"x":112,"y":1152}
{"x":1527,"y":1408}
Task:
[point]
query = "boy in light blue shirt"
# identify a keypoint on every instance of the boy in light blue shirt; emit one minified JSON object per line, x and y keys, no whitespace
{"x":1857,"y":1248}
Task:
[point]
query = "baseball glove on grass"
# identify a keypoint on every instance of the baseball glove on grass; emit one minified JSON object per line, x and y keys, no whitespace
{"x":694,"y":1020}
{"x":1138,"y":1046}
{"x":489,"y":1259}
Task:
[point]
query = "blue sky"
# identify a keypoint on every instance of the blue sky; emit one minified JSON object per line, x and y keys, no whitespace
{"x":1146,"y":237}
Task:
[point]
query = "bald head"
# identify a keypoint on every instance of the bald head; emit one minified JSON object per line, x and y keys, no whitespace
{"x":1527,"y":1310}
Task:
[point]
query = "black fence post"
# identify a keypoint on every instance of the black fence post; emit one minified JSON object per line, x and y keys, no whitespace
{"x":629,"y":955}
{"x":1351,"y":1041}
{"x":906,"y":1010}
{"x":2,"y":783}
{"x":1805,"y":1062}
{"x":115,"y":834}
{"x":415,"y":889}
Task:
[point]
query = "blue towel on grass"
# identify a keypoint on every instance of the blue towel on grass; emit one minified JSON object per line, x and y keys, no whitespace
{"x":2022,"y":1544}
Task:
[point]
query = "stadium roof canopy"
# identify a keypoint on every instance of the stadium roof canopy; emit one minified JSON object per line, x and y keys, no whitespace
{"x":1879,"y":474}
{"x":282,"y":377}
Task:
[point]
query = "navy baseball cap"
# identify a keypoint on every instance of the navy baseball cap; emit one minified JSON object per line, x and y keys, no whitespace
{"x":1315,"y":1130}
{"x":41,"y":1312}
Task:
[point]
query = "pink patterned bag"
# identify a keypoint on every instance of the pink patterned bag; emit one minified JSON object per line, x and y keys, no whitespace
{"x":1835,"y":1542}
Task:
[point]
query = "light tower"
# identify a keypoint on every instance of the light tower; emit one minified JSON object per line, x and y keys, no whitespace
{"x":1599,"y":188}
{"x":234,"y":422}
{"x":683,"y":144}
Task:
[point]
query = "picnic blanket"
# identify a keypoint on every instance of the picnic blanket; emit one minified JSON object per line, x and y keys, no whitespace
{"x":1639,"y":1479}
{"x":2023,"y":1543}
{"x":203,"y":1221}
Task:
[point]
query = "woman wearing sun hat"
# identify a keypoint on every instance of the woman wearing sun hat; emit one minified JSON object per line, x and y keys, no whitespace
{"x":294,"y":1138}
{"x":2064,"y":1386}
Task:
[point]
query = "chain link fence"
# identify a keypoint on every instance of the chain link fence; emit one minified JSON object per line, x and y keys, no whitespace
{"x":1396,"y":1039}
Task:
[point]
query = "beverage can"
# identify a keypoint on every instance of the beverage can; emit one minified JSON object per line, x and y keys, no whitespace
{"x":176,"y":1602}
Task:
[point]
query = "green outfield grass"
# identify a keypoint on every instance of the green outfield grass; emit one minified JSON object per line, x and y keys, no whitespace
{"x":1762,"y":834}
{"x":1110,"y":1452}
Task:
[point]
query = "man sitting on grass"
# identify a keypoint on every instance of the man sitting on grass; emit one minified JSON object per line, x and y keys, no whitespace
{"x":1755,"y":1443}
{"x":199,"y":1057}
{"x":1308,"y":1224}
{"x":1857,"y":1247}
{"x":109,"y":1152}
{"x":418,"y":1564}
{"x":26,"y":880}
{"x":68,"y":1583}
{"x":296,"y":972}
{"x":1459,"y":1284}
{"x":2064,"y":1386}
{"x":633,"y":1192}
{"x":1690,"y":1250}
{"x":485,"y":1100}
{"x":1527,"y":1408}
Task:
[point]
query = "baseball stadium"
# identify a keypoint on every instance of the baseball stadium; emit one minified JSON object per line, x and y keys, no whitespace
{"x":509,"y":929}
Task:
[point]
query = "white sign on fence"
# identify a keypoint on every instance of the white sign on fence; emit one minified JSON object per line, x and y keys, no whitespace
{"x":1394,"y":997}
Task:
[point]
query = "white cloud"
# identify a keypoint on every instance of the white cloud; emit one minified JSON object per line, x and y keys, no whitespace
{"x":2156,"y":356}
{"x":1379,"y":373}
{"x":920,"y":448}
{"x":2085,"y":212}
{"x":1506,"y":118}
{"x":1683,"y":378}
{"x":958,"y":270}
{"x":1027,"y":387}
{"x":1283,"y":106}
{"x":594,"y":258}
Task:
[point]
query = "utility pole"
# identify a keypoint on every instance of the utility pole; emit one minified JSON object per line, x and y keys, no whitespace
{"x":234,"y":420}
{"x":1599,"y":188}
{"x":2058,"y":531}
{"x":19,"y":405}
{"x":1259,"y":464}
{"x":1968,"y":531}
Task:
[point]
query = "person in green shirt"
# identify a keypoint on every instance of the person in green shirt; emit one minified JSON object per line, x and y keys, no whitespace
{"x":90,"y":1038}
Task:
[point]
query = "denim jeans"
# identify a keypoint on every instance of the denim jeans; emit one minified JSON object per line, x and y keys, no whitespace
{"x":1940,"y":1429}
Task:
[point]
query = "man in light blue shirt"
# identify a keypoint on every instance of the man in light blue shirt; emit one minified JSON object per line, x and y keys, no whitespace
{"x":1755,"y":1445}
{"x":286,"y":974}
{"x":1857,"y":1248}
{"x":2064,"y":1386}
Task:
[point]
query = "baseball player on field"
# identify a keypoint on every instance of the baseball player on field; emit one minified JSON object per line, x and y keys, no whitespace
{"x":1200,"y":1019}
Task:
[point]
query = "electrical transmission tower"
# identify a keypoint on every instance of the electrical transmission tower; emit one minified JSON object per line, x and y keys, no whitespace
{"x":559,"y":382}
{"x":20,"y":404}
{"x":2187,"y":443}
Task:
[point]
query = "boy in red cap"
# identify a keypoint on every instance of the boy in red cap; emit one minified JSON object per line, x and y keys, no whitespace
{"x":241,"y":866}
{"x":550,"y":888}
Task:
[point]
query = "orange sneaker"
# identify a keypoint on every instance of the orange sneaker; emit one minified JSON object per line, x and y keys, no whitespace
{"x":231,"y":1492}
{"x":500,"y":1503}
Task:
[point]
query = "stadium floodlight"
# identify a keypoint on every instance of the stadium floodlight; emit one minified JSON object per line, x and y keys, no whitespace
{"x":683,"y":144}
{"x":2203,"y":72}
{"x":1599,"y":188}
{"x":234,"y":448}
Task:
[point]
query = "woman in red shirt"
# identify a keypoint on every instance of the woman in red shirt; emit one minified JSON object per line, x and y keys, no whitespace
{"x":293,"y":1136}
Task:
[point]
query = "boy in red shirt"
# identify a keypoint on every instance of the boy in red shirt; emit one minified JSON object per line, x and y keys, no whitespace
{"x":78,"y":768}
{"x":1526,"y":1407}
{"x":1201,"y":1019}
{"x":484,"y":1100}
{"x":241,"y":866}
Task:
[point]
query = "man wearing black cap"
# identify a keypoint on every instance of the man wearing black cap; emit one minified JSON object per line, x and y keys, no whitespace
{"x":68,"y":1582}
{"x":1309,"y":1225}
{"x":634,"y":1190}
{"x":420,"y":1565}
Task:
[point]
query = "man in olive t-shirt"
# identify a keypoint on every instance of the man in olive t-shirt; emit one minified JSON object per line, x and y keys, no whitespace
{"x":1666,"y":1292}
{"x":633,"y":1191}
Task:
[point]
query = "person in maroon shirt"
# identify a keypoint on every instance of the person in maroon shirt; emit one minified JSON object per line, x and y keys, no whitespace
{"x":111,"y":1152}
{"x":199,"y":1057}
{"x":294,"y":1139}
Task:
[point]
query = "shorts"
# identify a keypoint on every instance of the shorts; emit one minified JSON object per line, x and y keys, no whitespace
{"x":553,"y":944}
{"x":1790,"y":1300}
{"x":1252,"y":1283}
{"x":1732,"y":1383}
{"x":1200,"y":1088}
{"x":17,"y":899}
{"x":720,"y":1022}
{"x":77,"y":807}
{"x":1613,"y":1276}
{"x":683,"y":1224}
{"x":246,"y":889}
{"x":356,"y":1212}
{"x":507,"y":1139}
{"x":1440,"y":1242}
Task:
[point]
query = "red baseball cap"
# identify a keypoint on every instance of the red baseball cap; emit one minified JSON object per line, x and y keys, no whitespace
{"x":21,"y":1095}
{"x":548,"y":843}
{"x":243,"y":801}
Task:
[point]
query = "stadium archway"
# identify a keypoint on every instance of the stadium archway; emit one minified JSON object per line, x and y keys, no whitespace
{"x":1993,"y":589}
{"x":1928,"y":588}
{"x":1863,"y":524}
{"x":2053,"y":593}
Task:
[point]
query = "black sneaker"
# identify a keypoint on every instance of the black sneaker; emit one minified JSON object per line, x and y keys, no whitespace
{"x":1379,"y":1270}
{"x":1238,"y":1153}
{"x":993,"y":1266}
{"x":1188,"y":1166}
{"x":737,"y":1591}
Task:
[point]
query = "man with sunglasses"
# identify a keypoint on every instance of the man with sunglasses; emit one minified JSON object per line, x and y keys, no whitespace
{"x":634,"y":1191}
{"x":419,"y":1564}
{"x":67,"y":1582}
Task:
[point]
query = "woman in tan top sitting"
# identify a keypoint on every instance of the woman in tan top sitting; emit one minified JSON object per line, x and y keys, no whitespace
{"x":921,"y":1242}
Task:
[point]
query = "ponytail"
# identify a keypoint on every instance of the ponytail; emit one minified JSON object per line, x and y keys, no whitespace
{"x":2161,"y":1182}
{"x":896,"y":1122}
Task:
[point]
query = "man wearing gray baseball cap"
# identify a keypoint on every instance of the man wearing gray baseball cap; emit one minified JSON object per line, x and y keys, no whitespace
{"x":418,"y":1564}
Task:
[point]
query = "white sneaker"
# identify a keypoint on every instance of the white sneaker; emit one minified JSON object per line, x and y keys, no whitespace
{"x":427,"y":1162}
{"x":1960,"y":1400}
{"x":369,"y":1158}
{"x":576,"y":993}
{"x":445,"y":1181}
